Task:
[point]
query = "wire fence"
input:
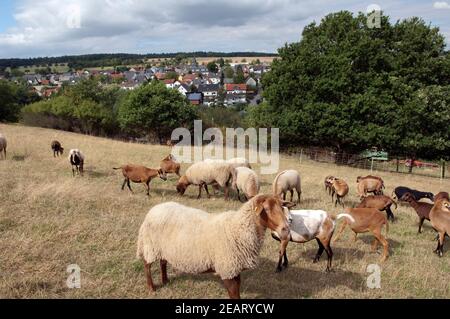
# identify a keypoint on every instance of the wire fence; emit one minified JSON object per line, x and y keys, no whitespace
{"x":437,"y":169}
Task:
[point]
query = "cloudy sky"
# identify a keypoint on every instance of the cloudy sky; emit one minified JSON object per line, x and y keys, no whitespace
{"x":30,"y":28}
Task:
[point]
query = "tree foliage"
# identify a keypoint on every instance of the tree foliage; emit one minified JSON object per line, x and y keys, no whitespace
{"x":155,"y":109}
{"x":351,"y":87}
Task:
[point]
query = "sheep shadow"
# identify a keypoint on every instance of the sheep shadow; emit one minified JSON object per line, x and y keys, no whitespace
{"x":96,"y":174}
{"x":292,"y":282}
{"x":295,"y":282}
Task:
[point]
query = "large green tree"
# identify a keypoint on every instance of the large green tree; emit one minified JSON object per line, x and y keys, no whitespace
{"x":12,"y":98}
{"x":351,"y":87}
{"x":155,"y":109}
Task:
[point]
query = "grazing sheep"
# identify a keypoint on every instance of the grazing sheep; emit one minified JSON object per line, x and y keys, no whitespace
{"x":247,"y":181}
{"x":340,"y":188}
{"x":327,"y":183}
{"x":204,"y":174}
{"x":287,"y":181}
{"x":76,"y":159}
{"x":170,"y":165}
{"x":362,"y":220}
{"x":140,"y":174}
{"x":402,"y":190}
{"x":441,"y":195}
{"x":440,"y":220}
{"x":380,"y":202}
{"x":422,"y":209}
{"x":57,"y":148}
{"x":369,"y":184}
{"x":193,"y":241}
{"x":306,"y":225}
{"x":3,"y":145}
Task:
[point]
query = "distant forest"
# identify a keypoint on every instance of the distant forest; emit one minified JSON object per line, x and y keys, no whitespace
{"x":94,"y":60}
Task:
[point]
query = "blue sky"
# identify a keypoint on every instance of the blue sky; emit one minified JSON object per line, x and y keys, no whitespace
{"x":6,"y":15}
{"x":30,"y":28}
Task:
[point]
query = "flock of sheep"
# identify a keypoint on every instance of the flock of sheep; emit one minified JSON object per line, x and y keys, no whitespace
{"x":194,"y":241}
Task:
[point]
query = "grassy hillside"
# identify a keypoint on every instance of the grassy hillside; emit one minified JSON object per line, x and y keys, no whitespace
{"x":49,"y":220}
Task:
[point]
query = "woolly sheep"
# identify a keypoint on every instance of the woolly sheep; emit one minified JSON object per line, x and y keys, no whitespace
{"x":193,"y":241}
{"x":204,"y":174}
{"x":287,"y":181}
{"x":3,"y":145}
{"x":236,"y":162}
{"x":246,"y":181}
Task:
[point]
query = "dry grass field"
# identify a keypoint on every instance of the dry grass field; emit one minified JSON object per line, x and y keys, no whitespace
{"x":49,"y":220}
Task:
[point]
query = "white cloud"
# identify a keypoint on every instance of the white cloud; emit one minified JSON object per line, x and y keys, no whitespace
{"x":50,"y":27}
{"x":441,"y":5}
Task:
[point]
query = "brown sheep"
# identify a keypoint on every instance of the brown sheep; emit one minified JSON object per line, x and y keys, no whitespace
{"x":369,"y":184}
{"x":380,"y":202}
{"x":441,"y":195}
{"x":57,"y":148}
{"x":362,"y":220}
{"x":422,"y":209}
{"x":440,"y":220}
{"x":340,"y":188}
{"x":169,"y":165}
{"x":327,"y":183}
{"x":139,"y":174}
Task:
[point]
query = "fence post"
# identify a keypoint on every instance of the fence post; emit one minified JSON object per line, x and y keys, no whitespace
{"x":398,"y":163}
{"x":443,"y":169}
{"x":301,"y":155}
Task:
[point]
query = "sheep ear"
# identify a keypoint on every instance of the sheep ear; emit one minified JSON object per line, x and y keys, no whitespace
{"x":288,"y":204}
{"x":259,"y":204}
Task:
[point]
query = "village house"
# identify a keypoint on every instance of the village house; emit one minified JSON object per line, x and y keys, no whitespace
{"x":210,"y":93}
{"x":235,"y":94}
{"x":195,"y":98}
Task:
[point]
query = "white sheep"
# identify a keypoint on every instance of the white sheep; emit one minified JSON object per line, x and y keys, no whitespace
{"x":76,"y":159}
{"x":236,"y":162}
{"x":306,"y":225}
{"x":246,"y":181}
{"x":285,"y":181}
{"x":3,"y":144}
{"x":204,"y":174}
{"x":193,"y":241}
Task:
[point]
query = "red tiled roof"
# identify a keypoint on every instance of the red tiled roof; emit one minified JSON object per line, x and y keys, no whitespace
{"x":169,"y":81}
{"x":160,"y":76}
{"x":233,"y":87}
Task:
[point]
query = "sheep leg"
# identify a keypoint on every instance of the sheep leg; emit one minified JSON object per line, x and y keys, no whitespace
{"x":319,"y":252}
{"x":226,"y":190}
{"x":374,"y":244}
{"x":285,"y":262}
{"x":199,"y":191}
{"x":164,"y":278}
{"x":282,"y":253}
{"x":233,"y":287}
{"x":383,"y":241}
{"x":148,"y":276}
{"x":355,"y":237}
{"x":299,"y":195}
{"x":128,"y":184}
{"x":422,"y":219}
{"x":292,"y":194}
{"x":284,"y":195}
{"x":207,"y":191}
{"x":344,"y":223}
{"x":123,"y":184}
{"x":147,"y":186}
{"x":329,"y":252}
{"x":73,"y":171}
{"x":390,"y":215}
{"x":239,"y":195}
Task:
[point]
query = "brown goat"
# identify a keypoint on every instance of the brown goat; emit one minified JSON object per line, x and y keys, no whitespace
{"x":422,"y":209}
{"x":362,"y":220}
{"x":369,"y":184}
{"x":340,"y":188}
{"x":380,"y":202}
{"x":441,"y":195}
{"x":440,"y":220}
{"x":139,"y":174}
{"x":169,"y":165}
